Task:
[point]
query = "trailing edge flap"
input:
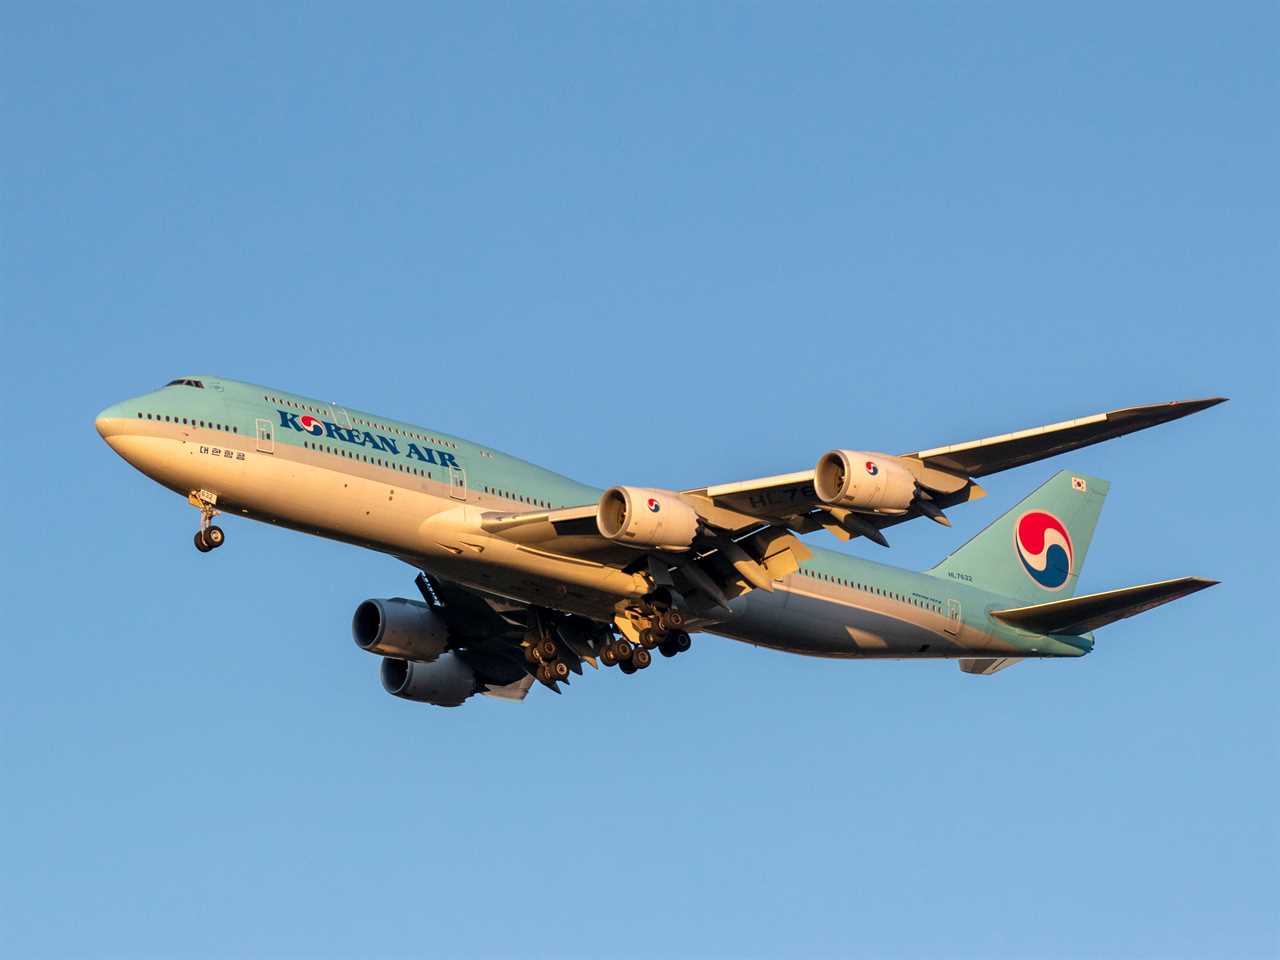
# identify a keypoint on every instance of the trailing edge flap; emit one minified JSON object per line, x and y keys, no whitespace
{"x":988,"y":665}
{"x":1079,"y":615}
{"x":789,"y":500}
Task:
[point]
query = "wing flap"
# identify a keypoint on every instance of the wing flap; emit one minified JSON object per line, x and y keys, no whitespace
{"x":1081,"y":614}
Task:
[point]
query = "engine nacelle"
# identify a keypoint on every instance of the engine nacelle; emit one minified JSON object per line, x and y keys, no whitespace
{"x":641,"y":517}
{"x":864,"y":481}
{"x":400,"y":628}
{"x":445,"y":681}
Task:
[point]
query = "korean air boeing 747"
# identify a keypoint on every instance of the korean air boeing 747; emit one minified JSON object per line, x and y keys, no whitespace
{"x":525,"y":574}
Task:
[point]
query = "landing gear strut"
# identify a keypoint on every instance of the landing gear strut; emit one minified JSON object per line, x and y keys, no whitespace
{"x":208,"y":537}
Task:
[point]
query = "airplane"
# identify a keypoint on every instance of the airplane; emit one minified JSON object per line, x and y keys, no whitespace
{"x":525,"y":575}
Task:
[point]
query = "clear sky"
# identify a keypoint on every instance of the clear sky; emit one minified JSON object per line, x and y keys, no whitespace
{"x":652,"y":244}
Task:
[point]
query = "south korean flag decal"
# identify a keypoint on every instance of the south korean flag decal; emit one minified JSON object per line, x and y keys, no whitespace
{"x":1078,"y":484}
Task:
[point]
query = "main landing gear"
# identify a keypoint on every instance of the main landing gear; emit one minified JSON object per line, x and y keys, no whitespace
{"x":549,"y":660}
{"x":644,"y":628}
{"x":544,"y":656}
{"x":208,"y":537}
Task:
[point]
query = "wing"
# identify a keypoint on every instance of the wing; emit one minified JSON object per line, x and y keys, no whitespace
{"x":978,"y":458}
{"x":948,"y":474}
{"x":746,"y":530}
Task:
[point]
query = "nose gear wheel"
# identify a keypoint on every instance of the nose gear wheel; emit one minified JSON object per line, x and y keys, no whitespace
{"x":208,"y":537}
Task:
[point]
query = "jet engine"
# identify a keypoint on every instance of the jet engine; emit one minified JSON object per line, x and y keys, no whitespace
{"x":856,"y":480}
{"x":445,"y":681}
{"x":400,"y":628}
{"x":641,"y":517}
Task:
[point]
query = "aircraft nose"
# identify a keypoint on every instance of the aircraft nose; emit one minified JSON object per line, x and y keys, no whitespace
{"x":109,"y":421}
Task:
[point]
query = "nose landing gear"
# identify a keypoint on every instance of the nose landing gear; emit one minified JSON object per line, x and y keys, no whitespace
{"x":208,"y":537}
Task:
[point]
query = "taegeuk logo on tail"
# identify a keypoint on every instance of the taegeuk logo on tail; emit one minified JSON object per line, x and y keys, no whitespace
{"x":1044,"y":548}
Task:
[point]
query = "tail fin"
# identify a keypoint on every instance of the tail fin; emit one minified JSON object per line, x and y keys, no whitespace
{"x":1037,"y":549}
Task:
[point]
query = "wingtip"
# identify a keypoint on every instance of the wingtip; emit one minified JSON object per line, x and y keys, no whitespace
{"x":1196,"y":584}
{"x":1154,"y":413}
{"x":1204,"y":403}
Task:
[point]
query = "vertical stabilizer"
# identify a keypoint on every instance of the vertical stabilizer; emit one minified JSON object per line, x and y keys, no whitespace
{"x":1036,"y":550}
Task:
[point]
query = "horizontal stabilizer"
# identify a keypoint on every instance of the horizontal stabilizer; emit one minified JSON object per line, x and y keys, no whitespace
{"x":1079,"y":615}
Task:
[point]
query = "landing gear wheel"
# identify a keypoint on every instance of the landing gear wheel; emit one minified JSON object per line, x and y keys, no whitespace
{"x":671,"y":620}
{"x":546,"y":647}
{"x":641,"y":658}
{"x":648,"y":639}
{"x":677,"y":642}
{"x":608,"y":657}
{"x":622,"y":651}
{"x":208,"y":537}
{"x":558,"y":670}
{"x":626,"y":666}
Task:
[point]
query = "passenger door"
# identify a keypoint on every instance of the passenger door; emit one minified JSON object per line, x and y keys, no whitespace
{"x":457,"y":483}
{"x":953,"y":618}
{"x":266,"y":437}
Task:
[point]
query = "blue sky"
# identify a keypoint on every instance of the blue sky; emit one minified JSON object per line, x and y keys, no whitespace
{"x":648,"y":244}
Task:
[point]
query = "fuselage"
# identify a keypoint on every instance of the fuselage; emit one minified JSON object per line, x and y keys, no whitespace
{"x":418,"y":494}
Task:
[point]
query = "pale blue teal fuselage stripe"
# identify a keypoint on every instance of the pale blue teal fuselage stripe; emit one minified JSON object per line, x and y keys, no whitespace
{"x":838,"y":605}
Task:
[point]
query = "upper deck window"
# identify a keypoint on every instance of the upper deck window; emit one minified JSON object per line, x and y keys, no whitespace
{"x":185,"y":383}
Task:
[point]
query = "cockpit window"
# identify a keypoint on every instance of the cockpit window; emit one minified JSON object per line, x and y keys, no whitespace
{"x":185,"y":383}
